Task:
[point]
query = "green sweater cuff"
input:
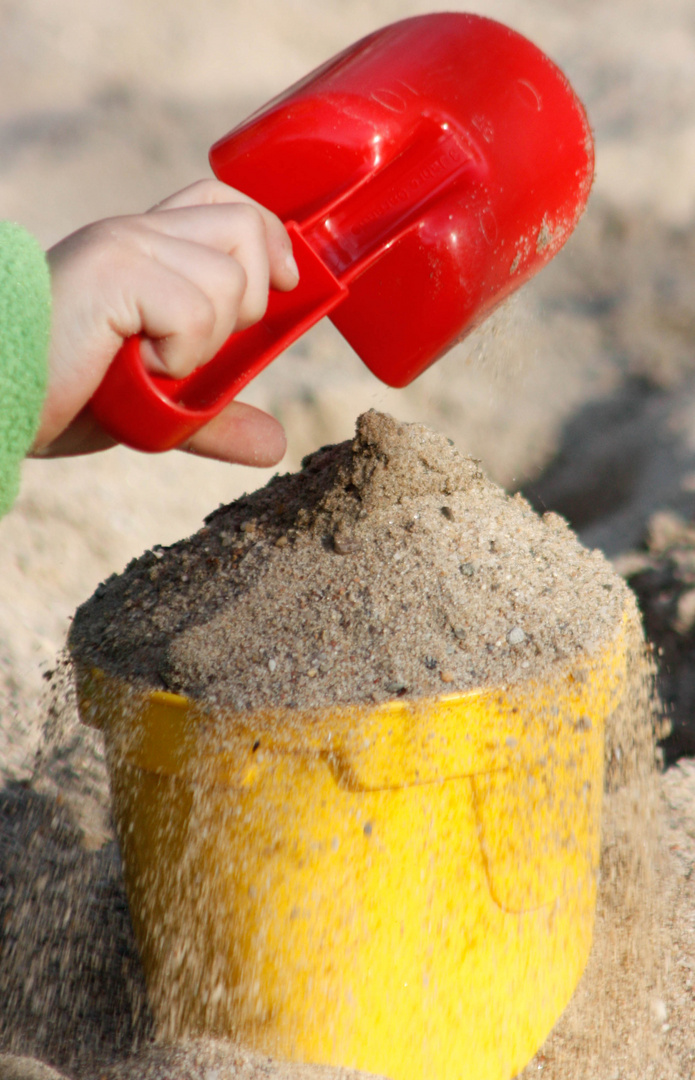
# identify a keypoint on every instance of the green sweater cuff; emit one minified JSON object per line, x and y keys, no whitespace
{"x":25,"y":321}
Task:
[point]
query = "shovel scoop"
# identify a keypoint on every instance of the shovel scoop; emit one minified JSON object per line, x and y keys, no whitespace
{"x":423,"y":174}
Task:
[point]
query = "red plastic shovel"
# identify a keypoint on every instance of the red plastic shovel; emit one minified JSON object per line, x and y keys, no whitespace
{"x":424,"y":174}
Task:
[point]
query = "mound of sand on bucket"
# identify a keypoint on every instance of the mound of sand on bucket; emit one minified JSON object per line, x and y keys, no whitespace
{"x":389,"y":567}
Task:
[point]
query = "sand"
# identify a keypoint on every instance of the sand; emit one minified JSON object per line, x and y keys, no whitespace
{"x":390,"y":566}
{"x":580,"y":393}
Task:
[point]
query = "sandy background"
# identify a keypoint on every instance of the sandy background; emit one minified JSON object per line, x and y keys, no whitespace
{"x":582,"y":393}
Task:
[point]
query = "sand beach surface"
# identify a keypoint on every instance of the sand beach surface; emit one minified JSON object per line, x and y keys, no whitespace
{"x":579,"y":392}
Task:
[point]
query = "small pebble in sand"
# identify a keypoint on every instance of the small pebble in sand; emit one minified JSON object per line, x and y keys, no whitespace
{"x":658,"y":1010}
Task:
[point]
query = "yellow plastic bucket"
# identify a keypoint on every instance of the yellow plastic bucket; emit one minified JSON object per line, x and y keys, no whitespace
{"x":407,"y":889}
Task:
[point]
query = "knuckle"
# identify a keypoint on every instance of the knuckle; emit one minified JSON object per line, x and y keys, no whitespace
{"x":254,"y":306}
{"x":237,"y":281}
{"x":247,"y":295}
{"x":200,"y":319}
{"x":102,"y":234}
{"x":250,"y":219}
{"x":106,"y":248}
{"x":203,"y":191}
{"x":119,"y":233}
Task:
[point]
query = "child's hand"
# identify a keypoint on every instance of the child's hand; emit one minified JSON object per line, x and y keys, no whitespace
{"x":185,"y":274}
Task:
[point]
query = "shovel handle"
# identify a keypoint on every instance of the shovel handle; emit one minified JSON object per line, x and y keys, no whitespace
{"x":155,"y":413}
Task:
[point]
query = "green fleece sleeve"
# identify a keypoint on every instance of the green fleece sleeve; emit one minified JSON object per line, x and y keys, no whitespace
{"x":25,"y":319}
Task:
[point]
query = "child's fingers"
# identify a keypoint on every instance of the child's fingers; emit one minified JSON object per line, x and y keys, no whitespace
{"x":233,"y":295}
{"x":205,"y":192}
{"x":240,"y":435}
{"x":221,"y":200}
{"x":183,"y":326}
{"x":192,"y":252}
{"x":231,"y":227}
{"x":195,"y":275}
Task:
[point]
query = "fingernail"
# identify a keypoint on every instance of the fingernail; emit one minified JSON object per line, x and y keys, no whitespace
{"x":291,"y":264}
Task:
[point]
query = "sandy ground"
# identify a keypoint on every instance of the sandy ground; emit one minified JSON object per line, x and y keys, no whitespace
{"x":581,"y":392}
